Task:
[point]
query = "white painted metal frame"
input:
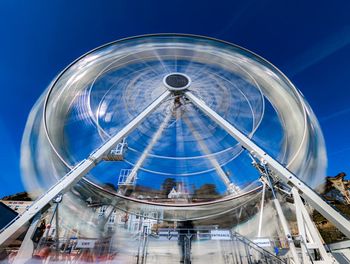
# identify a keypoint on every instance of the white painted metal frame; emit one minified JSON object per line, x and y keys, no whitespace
{"x":86,"y":165}
{"x":282,"y":217}
{"x":130,"y":178}
{"x":308,"y":232}
{"x":10,"y":231}
{"x":285,"y":175}
{"x":26,"y":249}
{"x":261,"y":208}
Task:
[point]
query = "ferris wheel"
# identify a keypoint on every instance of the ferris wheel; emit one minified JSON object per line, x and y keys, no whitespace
{"x":139,"y":118}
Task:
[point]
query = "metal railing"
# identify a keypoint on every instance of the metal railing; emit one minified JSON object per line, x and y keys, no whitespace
{"x":238,"y":249}
{"x":265,"y":253}
{"x":196,"y":245}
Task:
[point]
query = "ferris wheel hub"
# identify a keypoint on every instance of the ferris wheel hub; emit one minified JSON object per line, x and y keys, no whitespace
{"x":177,"y":82}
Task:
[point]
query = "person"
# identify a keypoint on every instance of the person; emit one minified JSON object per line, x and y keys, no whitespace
{"x":186,"y":234}
{"x":39,"y":232}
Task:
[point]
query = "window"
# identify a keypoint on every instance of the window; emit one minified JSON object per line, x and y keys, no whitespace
{"x":111,"y":219}
{"x":102,"y":210}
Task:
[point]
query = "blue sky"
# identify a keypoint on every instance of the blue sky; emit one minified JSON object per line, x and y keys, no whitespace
{"x":308,"y":40}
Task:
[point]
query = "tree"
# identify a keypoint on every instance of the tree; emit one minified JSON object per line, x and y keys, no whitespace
{"x":206,"y":190}
{"x":168,"y":185}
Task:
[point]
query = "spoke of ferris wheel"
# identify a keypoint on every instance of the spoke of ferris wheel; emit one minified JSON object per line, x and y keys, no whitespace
{"x":155,"y":138}
{"x":204,"y":148}
{"x":288,"y":177}
{"x":11,"y":230}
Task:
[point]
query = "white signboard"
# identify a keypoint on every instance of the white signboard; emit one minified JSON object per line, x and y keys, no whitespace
{"x":262,"y":242}
{"x":220,"y":234}
{"x":85,"y":243}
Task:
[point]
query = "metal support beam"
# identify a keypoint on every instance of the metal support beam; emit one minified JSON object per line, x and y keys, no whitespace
{"x":304,"y":221}
{"x":261,"y":208}
{"x":10,"y":231}
{"x":149,"y":147}
{"x":282,"y":217}
{"x":204,"y":148}
{"x":286,"y":231}
{"x":26,"y":250}
{"x":286,"y":176}
{"x":57,"y":234}
{"x":302,"y":232}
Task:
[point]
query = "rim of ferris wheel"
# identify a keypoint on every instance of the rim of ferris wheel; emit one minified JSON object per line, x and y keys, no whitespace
{"x":204,"y":51}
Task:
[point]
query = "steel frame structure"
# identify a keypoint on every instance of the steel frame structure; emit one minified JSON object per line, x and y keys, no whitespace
{"x":286,"y":176}
{"x":76,"y":173}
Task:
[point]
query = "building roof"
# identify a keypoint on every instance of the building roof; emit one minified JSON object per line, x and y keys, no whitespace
{"x":7,"y":214}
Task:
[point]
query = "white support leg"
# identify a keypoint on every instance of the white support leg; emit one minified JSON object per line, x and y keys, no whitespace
{"x":286,"y":176}
{"x":313,"y":240}
{"x":286,"y":230}
{"x":302,"y":233}
{"x":204,"y":148}
{"x":26,"y":250}
{"x":282,"y":218}
{"x":261,"y":209}
{"x":155,"y":138}
{"x":10,"y":231}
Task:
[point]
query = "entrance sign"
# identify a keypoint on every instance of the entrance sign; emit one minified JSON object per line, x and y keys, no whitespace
{"x":220,"y":234}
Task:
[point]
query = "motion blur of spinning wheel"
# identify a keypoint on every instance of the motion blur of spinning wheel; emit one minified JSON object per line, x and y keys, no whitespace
{"x":178,"y":159}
